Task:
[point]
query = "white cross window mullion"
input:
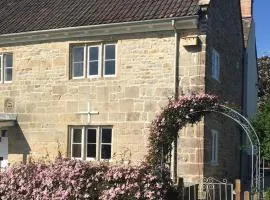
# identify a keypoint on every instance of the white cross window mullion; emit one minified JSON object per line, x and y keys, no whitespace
{"x":89,"y":113}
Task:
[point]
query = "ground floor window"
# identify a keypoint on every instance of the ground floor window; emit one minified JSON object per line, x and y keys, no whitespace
{"x":91,"y":142}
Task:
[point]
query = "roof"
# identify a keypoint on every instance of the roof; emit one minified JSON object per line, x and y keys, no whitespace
{"x":18,"y":16}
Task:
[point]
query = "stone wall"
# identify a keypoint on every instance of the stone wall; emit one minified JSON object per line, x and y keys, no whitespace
{"x":191,"y":138}
{"x":47,"y":101}
{"x":224,"y":34}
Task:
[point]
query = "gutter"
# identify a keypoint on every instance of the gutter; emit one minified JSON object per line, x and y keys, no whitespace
{"x":189,"y":22}
{"x":176,"y":95}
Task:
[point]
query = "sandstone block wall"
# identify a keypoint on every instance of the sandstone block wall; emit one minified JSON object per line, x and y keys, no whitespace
{"x":47,"y":101}
{"x":224,"y":34}
{"x":190,"y":156}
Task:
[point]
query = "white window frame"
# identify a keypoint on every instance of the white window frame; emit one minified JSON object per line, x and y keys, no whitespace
{"x":97,"y":144}
{"x":84,"y":60}
{"x":215,"y":73}
{"x":3,"y":68}
{"x":82,"y":142}
{"x":214,"y":147}
{"x":101,"y":61}
{"x":85,"y":142}
{"x":100,"y":143}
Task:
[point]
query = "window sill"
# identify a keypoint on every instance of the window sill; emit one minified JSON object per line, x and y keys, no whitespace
{"x":109,"y":76}
{"x":216,"y":79}
{"x":77,"y":78}
{"x":6,"y":82}
{"x":93,"y":78}
{"x":99,"y":161}
{"x":214,"y":163}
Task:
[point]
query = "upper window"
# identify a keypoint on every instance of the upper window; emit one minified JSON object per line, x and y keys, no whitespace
{"x":93,"y":61}
{"x":214,"y":147}
{"x":6,"y":63}
{"x":215,"y":65}
{"x":91,"y":143}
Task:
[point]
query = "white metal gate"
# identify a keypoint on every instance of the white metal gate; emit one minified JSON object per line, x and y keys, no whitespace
{"x":213,"y":189}
{"x":210,"y":189}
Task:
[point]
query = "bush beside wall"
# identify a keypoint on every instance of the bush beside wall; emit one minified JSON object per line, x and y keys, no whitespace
{"x":74,"y":179}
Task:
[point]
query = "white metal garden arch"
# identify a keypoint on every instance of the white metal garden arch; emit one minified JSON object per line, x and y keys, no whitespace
{"x":257,"y":175}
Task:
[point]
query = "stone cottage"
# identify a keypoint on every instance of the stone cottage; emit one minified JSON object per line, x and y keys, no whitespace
{"x":86,"y":78}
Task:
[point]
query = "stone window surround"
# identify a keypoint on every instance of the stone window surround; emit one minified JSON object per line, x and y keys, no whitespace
{"x":215,"y":70}
{"x":214,"y":147}
{"x":4,"y":67}
{"x":101,"y":67}
{"x":84,"y":143}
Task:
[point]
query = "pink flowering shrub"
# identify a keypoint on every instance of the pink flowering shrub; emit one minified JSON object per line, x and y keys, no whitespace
{"x":73,"y":179}
{"x":139,"y":182}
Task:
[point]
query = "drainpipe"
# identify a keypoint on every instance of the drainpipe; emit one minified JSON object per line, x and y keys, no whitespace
{"x":176,"y":95}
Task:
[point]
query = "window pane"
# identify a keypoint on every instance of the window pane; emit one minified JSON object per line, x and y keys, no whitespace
{"x":93,"y":68}
{"x":8,"y":74}
{"x":91,"y":136}
{"x":77,"y":69}
{"x":91,"y":150}
{"x":110,"y":52}
{"x":76,"y":150}
{"x":106,"y":151}
{"x":77,"y":135}
{"x":109,"y":67}
{"x":106,"y":135}
{"x":77,"y":54}
{"x":8,"y":60}
{"x":93,"y":53}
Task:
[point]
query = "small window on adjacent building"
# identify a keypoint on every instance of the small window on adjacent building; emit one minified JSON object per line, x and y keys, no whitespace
{"x":91,"y":143}
{"x":214,"y":147}
{"x":215,"y":65}
{"x":90,"y":61}
{"x":6,"y":64}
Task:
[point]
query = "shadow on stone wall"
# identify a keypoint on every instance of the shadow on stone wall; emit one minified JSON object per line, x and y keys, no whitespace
{"x":18,"y":146}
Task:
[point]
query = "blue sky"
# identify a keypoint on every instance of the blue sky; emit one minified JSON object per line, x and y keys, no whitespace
{"x":262,"y":20}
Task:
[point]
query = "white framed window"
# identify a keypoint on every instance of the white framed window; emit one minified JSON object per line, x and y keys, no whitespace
{"x":6,"y":65}
{"x":91,"y":143}
{"x":94,"y":61}
{"x":214,"y":147}
{"x":109,"y":60}
{"x":78,"y":62}
{"x":215,"y":65}
{"x":76,"y":142}
{"x":90,"y":61}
